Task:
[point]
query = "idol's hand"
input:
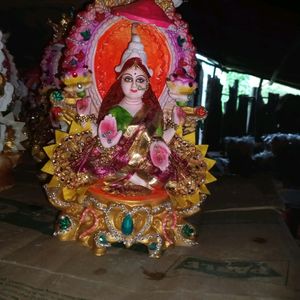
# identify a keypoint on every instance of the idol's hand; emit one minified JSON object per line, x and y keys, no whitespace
{"x":108,"y":133}
{"x":178,"y":119}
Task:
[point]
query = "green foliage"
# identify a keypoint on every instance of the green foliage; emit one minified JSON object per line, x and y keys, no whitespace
{"x":244,"y":87}
{"x":277,"y":88}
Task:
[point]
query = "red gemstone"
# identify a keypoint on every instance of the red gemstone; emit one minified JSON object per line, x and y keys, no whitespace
{"x":56,"y":111}
{"x":80,"y":56}
{"x":100,"y":17}
{"x":201,"y":112}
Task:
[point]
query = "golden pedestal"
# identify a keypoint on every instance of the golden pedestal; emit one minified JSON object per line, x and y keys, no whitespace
{"x":103,"y":219}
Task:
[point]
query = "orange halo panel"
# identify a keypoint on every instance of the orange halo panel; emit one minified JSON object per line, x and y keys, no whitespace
{"x":112,"y":44}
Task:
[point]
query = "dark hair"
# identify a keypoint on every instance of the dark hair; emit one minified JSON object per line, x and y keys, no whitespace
{"x":115,"y":94}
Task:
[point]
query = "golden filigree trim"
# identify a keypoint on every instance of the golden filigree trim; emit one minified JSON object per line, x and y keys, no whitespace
{"x":113,"y":3}
{"x":166,"y":5}
{"x":97,"y":225}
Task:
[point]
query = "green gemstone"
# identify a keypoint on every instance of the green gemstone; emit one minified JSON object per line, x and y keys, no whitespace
{"x":81,"y":94}
{"x":187,"y":231}
{"x":102,"y":239}
{"x":181,"y":103}
{"x":153,"y":246}
{"x":64,"y":223}
{"x":57,"y":96}
{"x":127,"y":225}
{"x":86,"y":35}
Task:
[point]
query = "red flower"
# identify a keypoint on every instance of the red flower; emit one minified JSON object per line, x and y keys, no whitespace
{"x":201,"y":112}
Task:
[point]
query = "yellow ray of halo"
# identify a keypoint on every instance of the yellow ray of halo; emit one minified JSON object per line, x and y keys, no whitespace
{"x":209,"y":162}
{"x":202,"y":148}
{"x":209,"y":178}
{"x":75,"y":128}
{"x":195,"y":198}
{"x":68,"y":194}
{"x":204,"y":189}
{"x":191,"y":138}
{"x":48,"y":168}
{"x":53,"y":182}
{"x":59,"y":135}
{"x":49,"y":150}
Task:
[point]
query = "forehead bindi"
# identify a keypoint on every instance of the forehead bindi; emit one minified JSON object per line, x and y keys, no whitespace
{"x":135,"y":71}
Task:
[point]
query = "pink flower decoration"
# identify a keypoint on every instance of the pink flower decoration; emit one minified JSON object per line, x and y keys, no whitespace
{"x":83,"y":106}
{"x":108,"y":133}
{"x":159,"y":153}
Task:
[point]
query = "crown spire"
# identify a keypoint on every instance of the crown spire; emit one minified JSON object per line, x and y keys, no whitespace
{"x":135,"y":49}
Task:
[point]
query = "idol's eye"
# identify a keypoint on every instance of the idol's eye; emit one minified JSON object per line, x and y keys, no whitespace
{"x":140,"y":80}
{"x":127,"y":79}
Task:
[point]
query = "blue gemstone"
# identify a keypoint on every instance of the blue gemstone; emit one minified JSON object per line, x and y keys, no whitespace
{"x":73,"y":62}
{"x":127,"y":225}
{"x":180,"y":41}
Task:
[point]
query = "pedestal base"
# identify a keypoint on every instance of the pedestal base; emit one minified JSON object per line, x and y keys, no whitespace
{"x":104,"y":219}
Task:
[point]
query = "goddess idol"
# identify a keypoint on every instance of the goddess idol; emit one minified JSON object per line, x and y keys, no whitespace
{"x":11,"y":131}
{"x":131,"y":172}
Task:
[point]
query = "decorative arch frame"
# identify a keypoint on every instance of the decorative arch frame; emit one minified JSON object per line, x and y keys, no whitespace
{"x":93,"y":43}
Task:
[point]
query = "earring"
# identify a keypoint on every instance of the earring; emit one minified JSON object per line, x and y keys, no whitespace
{"x":147,"y":85}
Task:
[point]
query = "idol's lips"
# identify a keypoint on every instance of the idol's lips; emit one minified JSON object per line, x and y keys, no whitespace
{"x":133,"y":91}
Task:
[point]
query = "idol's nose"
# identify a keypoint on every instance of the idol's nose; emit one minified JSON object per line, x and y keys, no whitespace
{"x":133,"y":84}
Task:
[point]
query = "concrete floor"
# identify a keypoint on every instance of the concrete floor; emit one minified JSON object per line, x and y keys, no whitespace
{"x":245,"y":251}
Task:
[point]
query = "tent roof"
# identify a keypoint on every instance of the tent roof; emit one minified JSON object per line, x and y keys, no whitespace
{"x":260,"y":37}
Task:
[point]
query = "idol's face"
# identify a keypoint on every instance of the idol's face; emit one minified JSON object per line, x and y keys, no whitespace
{"x":134,"y":83}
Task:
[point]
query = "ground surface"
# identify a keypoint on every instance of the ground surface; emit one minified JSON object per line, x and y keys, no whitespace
{"x":245,"y":251}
